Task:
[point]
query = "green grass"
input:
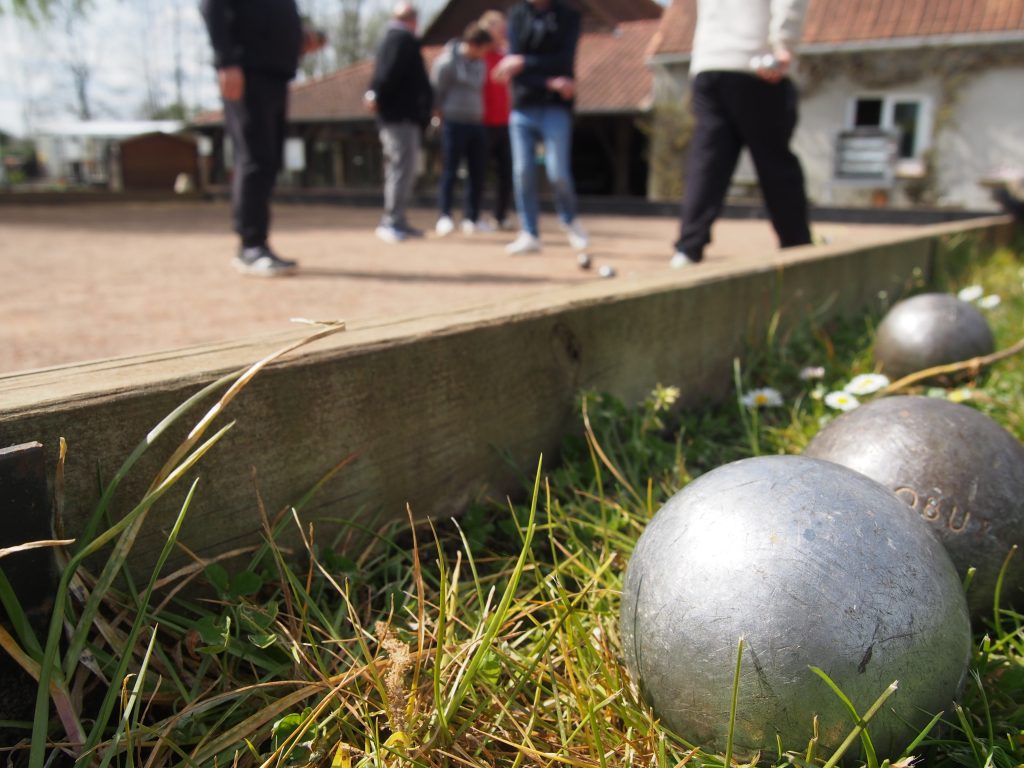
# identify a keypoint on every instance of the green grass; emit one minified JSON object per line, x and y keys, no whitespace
{"x":488,"y":642}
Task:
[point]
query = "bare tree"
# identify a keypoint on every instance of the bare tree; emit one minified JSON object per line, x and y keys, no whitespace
{"x":77,"y":57}
{"x":349,"y":37}
{"x":353,"y":28}
{"x":152,"y":103}
{"x":36,"y":9}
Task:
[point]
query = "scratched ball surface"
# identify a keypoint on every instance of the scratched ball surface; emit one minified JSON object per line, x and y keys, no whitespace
{"x":928,"y":330}
{"x":958,"y":469}
{"x":811,"y":564}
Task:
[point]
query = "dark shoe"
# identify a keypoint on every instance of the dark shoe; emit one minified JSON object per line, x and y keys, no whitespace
{"x":408,"y":230}
{"x":1009,"y":202}
{"x":260,"y":261}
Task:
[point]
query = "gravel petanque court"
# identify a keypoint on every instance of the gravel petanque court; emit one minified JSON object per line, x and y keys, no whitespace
{"x":90,"y":281}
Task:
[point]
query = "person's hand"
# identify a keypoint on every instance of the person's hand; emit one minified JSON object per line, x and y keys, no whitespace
{"x":370,"y":102}
{"x":507,"y":68}
{"x":232,"y":83}
{"x":563,"y":86}
{"x":783,"y":61}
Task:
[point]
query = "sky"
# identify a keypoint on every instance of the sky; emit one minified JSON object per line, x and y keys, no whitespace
{"x":129,"y":47}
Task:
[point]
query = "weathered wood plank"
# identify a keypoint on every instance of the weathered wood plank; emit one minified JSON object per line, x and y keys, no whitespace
{"x":438,"y":411}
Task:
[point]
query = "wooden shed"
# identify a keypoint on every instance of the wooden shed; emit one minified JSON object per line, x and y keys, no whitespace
{"x":153,"y":161}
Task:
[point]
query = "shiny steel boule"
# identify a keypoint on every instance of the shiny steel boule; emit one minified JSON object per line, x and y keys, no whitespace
{"x":928,"y":330}
{"x":959,"y":470}
{"x":811,"y":564}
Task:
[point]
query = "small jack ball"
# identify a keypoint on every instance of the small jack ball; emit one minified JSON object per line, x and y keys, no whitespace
{"x":811,"y":564}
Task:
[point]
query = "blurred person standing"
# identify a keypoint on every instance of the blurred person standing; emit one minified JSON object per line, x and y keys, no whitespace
{"x":256,"y":50}
{"x":542,"y":40}
{"x":742,"y":96}
{"x":497,"y":105}
{"x":401,"y":97}
{"x":458,"y":77}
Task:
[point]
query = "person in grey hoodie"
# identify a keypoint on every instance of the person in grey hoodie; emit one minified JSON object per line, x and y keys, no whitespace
{"x":742,"y":97}
{"x":458,"y":77}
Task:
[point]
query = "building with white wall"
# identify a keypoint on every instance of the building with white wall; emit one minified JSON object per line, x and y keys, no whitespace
{"x":944,"y":78}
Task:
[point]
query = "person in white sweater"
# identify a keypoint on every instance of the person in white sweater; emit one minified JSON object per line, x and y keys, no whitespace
{"x":742,"y":96}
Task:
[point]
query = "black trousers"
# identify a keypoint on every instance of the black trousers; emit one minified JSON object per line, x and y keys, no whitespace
{"x":499,"y":153}
{"x":462,"y":141}
{"x":256,"y":125}
{"x":734,"y":110}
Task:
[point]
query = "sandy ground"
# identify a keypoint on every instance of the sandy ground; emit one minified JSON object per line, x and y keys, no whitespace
{"x":83,"y":282}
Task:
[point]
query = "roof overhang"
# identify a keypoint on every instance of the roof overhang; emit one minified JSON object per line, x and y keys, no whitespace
{"x":920,"y":41}
{"x":887,"y":44}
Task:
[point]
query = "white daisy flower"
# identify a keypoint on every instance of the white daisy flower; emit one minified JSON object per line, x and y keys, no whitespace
{"x":841,"y":401}
{"x":812,"y":372}
{"x":989,"y":302}
{"x":970,"y":293}
{"x":866,"y":384}
{"x":762,"y":398}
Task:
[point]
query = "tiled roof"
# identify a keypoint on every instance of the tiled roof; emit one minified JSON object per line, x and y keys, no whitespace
{"x":842,"y":21}
{"x":338,"y":96}
{"x":598,"y":15}
{"x":610,"y":69}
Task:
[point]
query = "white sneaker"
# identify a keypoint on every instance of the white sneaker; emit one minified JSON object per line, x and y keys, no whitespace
{"x":578,"y":238}
{"x":525,"y":243}
{"x":507,"y":224}
{"x":471,"y":227}
{"x":389,"y":234}
{"x":680,"y":260}
{"x":445,"y":226}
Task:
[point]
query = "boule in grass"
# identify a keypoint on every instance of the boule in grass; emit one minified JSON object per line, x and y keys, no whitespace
{"x":956,"y":468}
{"x":928,"y":330}
{"x":811,"y":564}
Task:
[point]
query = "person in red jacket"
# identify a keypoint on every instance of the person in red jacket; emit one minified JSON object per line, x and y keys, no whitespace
{"x":497,"y":105}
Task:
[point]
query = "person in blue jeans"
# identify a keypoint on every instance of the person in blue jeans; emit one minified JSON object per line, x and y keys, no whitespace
{"x":542,"y":39}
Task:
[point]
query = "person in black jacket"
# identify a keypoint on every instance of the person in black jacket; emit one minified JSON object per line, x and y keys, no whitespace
{"x":401,"y":97}
{"x":256,"y":50}
{"x":542,"y":39}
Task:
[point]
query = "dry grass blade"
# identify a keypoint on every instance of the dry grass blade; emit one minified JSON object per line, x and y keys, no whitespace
{"x":237,"y":386}
{"x":61,"y":699}
{"x":974,"y":364}
{"x":42,"y":544}
{"x":592,"y":441}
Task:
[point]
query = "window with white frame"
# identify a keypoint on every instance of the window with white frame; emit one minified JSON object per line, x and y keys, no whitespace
{"x":908,"y":116}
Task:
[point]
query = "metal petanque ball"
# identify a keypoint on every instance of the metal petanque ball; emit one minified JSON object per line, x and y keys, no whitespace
{"x":956,"y":467}
{"x":811,"y":564}
{"x":928,"y":330}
